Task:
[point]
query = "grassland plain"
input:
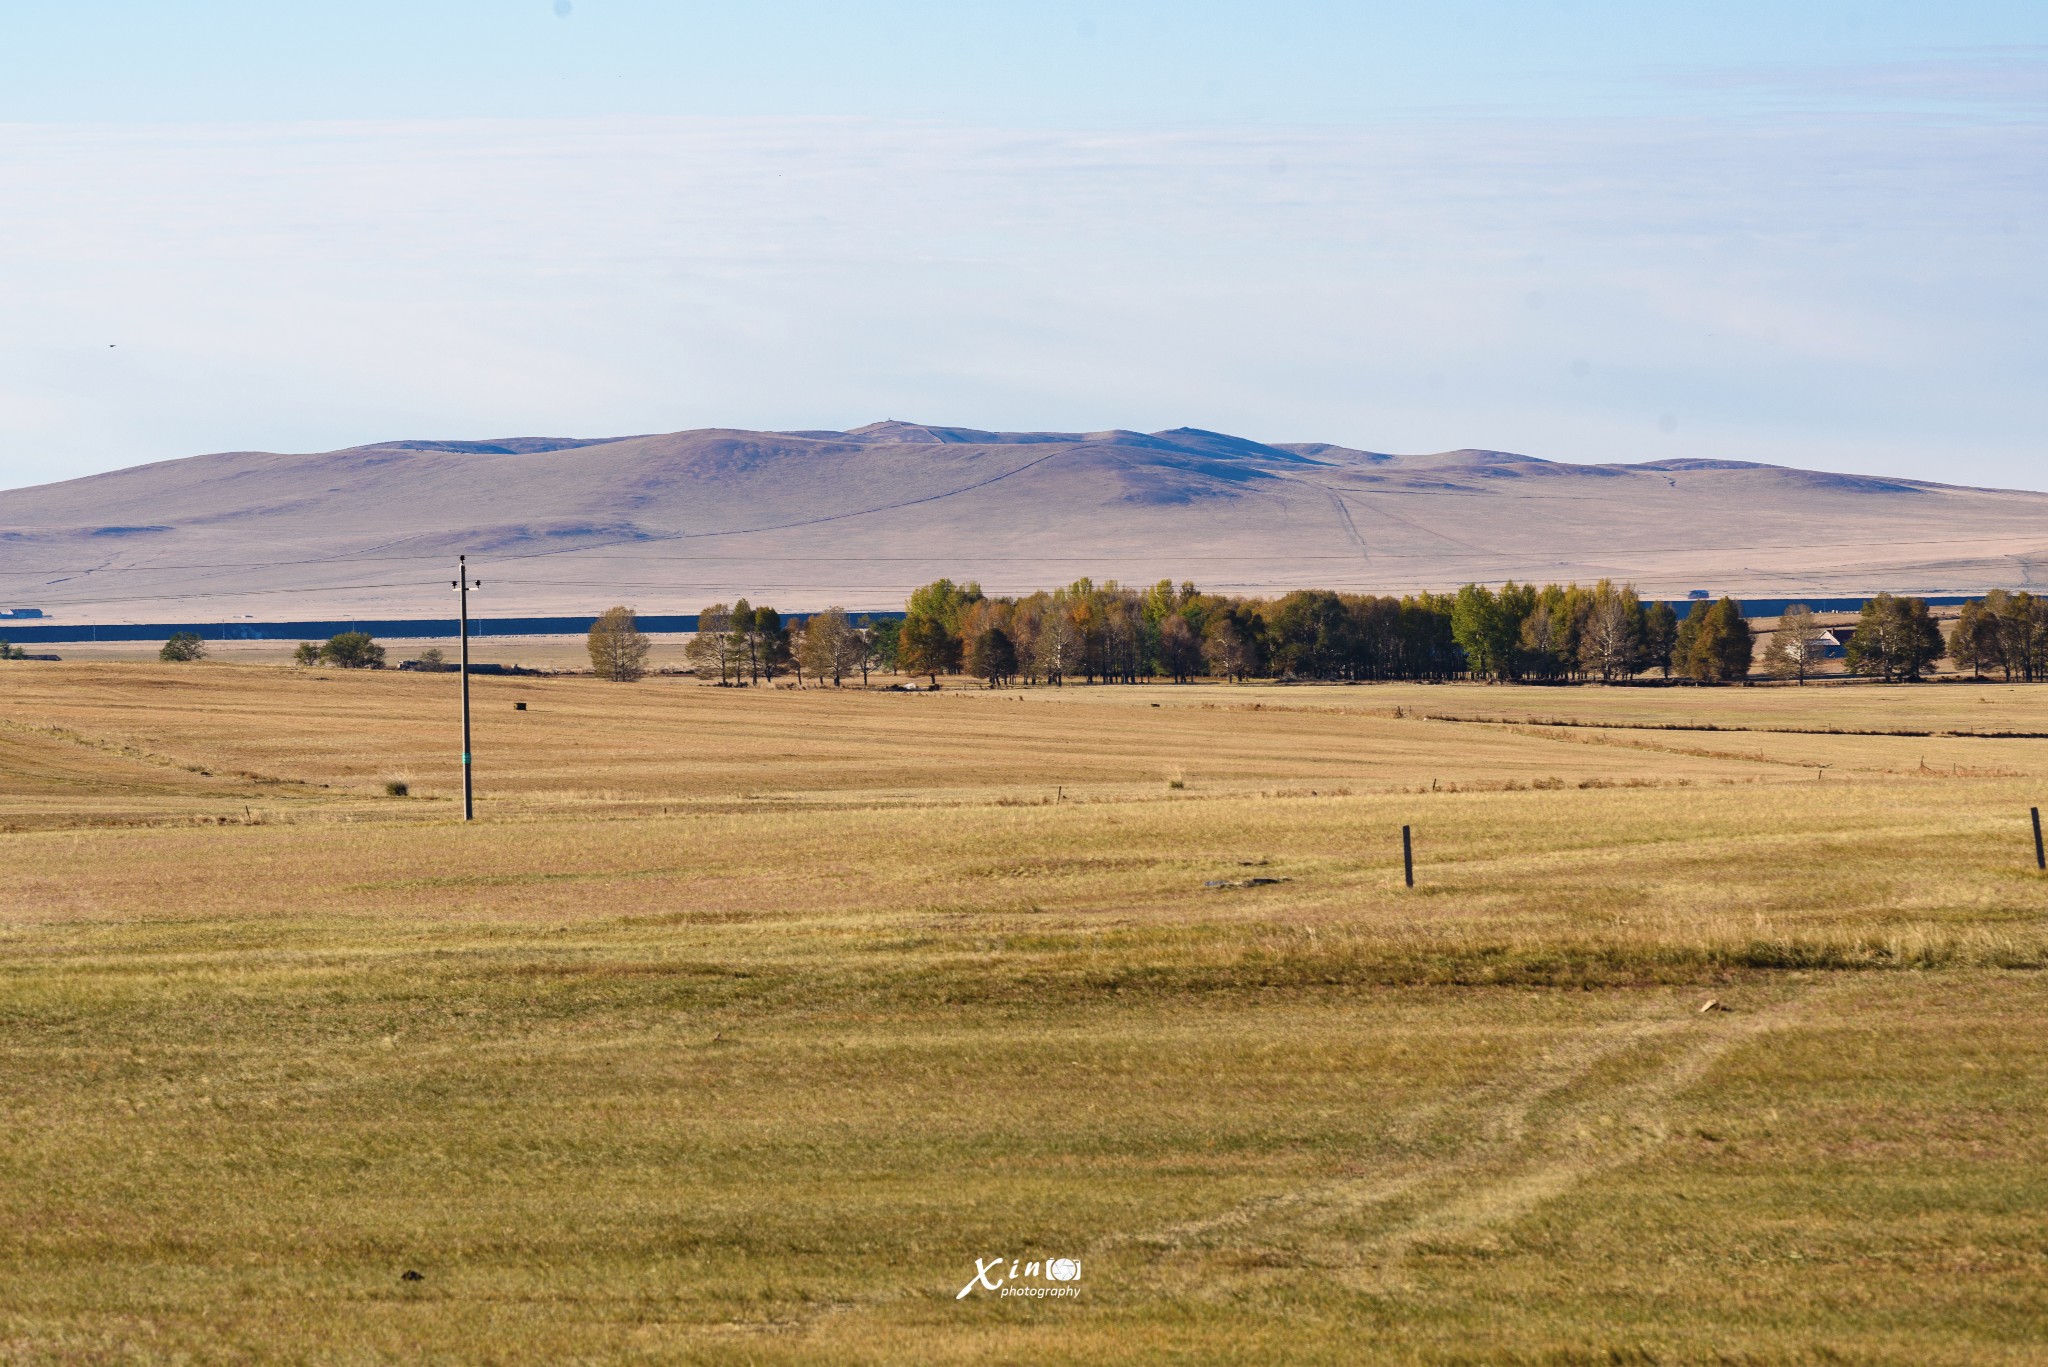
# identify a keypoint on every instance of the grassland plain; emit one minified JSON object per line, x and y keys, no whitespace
{"x":746,"y":1021}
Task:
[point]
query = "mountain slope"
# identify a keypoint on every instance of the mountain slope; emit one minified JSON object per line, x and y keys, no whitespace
{"x":672,"y":521}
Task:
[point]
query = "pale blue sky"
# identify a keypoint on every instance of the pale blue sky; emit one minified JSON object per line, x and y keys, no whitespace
{"x":1807,"y":233}
{"x":1066,"y":63}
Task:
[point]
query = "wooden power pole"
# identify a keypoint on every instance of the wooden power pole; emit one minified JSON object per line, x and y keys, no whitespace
{"x":463,"y":584}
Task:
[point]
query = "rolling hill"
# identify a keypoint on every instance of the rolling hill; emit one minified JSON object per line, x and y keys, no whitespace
{"x":802,"y":519}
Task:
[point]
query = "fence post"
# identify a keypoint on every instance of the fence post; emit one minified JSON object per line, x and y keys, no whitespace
{"x":1408,"y":854}
{"x":2040,"y":851}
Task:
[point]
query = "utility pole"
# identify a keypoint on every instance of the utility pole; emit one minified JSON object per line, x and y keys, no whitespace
{"x":463,"y":584}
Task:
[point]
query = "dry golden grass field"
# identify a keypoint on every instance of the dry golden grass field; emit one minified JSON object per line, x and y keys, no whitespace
{"x":743,"y":1023}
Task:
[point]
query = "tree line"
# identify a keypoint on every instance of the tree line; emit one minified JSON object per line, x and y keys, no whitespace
{"x":2004,"y":631}
{"x":740,"y":644}
{"x":1517,"y":633}
{"x":1897,"y":639}
{"x":1087,"y":632}
{"x":1109,"y":633}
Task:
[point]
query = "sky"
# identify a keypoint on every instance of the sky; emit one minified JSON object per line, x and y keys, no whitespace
{"x":1802,"y":233}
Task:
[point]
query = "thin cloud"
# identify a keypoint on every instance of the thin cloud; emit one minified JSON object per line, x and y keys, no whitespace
{"x":2013,"y":78}
{"x":1845,"y":292}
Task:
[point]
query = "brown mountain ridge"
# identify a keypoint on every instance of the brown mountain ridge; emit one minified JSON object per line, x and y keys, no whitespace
{"x":672,"y":521}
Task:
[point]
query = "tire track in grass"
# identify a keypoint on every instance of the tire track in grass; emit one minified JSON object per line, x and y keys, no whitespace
{"x":1573,"y":1134}
{"x":1573,"y":1120}
{"x":1535,"y":1143}
{"x":1503,"y":1122}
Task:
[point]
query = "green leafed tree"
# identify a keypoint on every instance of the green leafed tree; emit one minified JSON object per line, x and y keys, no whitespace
{"x":943,"y":601}
{"x":760,"y":642}
{"x":993,"y":656}
{"x":183,"y":646}
{"x":1715,"y":643}
{"x":744,"y":644}
{"x":1474,"y":619}
{"x":352,"y":650}
{"x":1488,"y":629}
{"x":1973,"y":643}
{"x":1310,"y":635}
{"x":926,"y":645}
{"x":885,"y":642}
{"x":1659,"y":637}
{"x":1896,"y":639}
{"x":771,"y":642}
{"x":618,"y":648}
{"x":2022,"y":633}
